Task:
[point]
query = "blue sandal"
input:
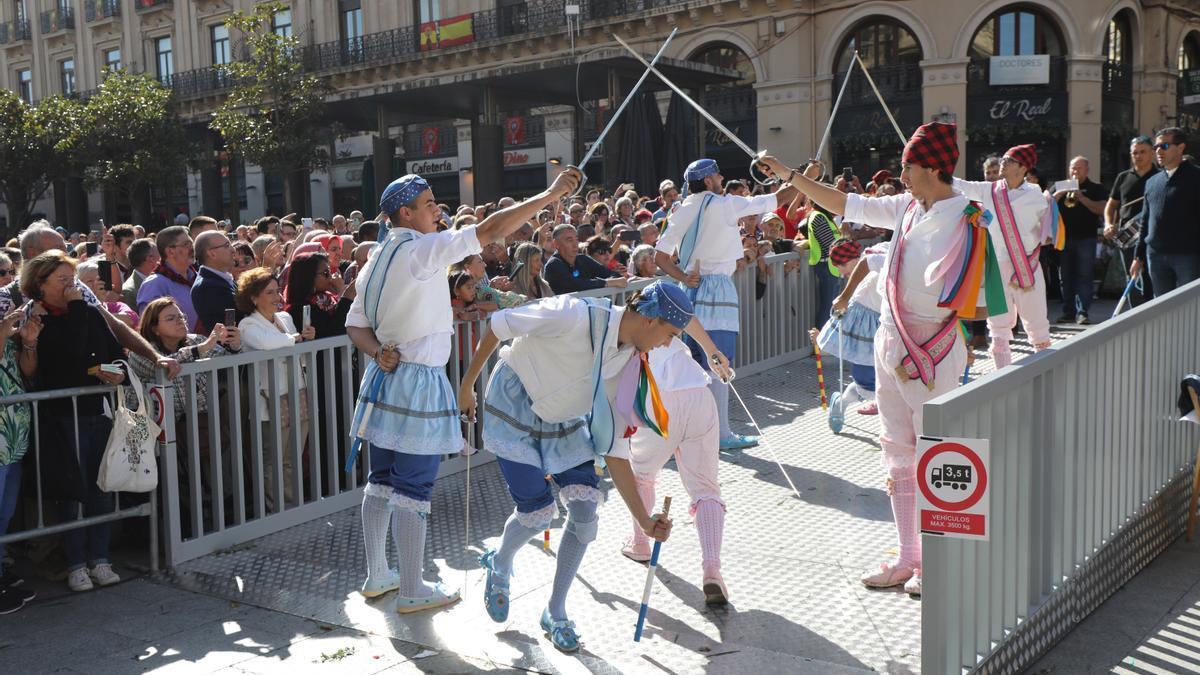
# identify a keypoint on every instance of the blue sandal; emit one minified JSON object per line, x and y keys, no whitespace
{"x":495,"y":592}
{"x":837,"y":413}
{"x":562,"y":633}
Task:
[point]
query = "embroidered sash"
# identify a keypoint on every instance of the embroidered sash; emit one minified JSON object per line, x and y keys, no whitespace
{"x":1024,"y":264}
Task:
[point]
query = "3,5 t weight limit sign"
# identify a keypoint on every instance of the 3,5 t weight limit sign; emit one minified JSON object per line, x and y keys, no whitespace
{"x":952,"y":477}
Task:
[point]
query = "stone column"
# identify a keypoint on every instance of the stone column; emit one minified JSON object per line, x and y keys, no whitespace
{"x":1085,"y":76}
{"x":784,"y":120}
{"x":944,"y":97}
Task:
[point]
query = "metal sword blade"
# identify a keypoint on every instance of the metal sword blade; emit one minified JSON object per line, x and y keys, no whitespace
{"x":886,"y":110}
{"x":600,"y":139}
{"x":833,"y":111}
{"x":765,"y":441}
{"x":704,"y":113}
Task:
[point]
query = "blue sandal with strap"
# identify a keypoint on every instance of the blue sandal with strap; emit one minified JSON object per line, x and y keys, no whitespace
{"x":562,"y":633}
{"x":495,"y":592}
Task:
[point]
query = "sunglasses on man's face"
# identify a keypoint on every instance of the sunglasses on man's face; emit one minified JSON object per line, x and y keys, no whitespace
{"x":1163,"y":146}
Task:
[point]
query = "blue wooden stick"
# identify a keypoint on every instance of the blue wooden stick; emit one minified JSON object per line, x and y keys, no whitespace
{"x":637,"y":633}
{"x":967,"y":374}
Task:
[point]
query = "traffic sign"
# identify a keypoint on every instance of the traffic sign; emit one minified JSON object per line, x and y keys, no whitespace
{"x":952,"y":479}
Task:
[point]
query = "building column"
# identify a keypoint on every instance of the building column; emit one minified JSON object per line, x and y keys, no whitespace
{"x":211,"y":201}
{"x":1154,"y":98}
{"x":944,"y":98}
{"x":383,"y":149}
{"x":560,"y":142}
{"x":1085,"y":77}
{"x":320,"y":188}
{"x":487,"y":150}
{"x":822,"y":106}
{"x":256,"y":194}
{"x":784,"y":117}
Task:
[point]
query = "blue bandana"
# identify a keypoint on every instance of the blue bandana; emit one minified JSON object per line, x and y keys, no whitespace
{"x":700,"y":169}
{"x":667,"y":302}
{"x":401,"y":192}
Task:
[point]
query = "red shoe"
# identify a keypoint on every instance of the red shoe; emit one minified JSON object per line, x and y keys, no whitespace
{"x":869,"y":409}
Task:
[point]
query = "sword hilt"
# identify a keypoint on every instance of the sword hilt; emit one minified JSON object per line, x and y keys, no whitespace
{"x":754,"y":166}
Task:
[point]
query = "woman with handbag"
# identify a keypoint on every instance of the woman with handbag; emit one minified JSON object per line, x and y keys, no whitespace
{"x":75,"y":340}
{"x":265,"y":328}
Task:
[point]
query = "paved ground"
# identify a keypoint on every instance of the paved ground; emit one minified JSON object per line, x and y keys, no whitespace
{"x":288,"y":601}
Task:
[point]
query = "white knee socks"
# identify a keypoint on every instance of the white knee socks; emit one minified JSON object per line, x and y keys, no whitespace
{"x":720,"y":392}
{"x":375,"y":518}
{"x":645,"y":489}
{"x":904,"y":509}
{"x":710,"y":525}
{"x":408,"y":534}
{"x":579,"y":532}
{"x":515,"y":536}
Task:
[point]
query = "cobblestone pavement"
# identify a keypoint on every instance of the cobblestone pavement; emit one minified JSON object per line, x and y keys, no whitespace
{"x":792,"y":564}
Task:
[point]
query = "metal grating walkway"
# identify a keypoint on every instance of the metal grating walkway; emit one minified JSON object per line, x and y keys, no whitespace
{"x":791,"y":565}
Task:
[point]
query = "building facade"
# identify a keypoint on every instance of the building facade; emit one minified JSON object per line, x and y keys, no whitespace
{"x":488,"y":99}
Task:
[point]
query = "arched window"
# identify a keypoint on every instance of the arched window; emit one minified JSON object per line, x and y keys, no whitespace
{"x":880,"y":42}
{"x":1017,"y":31}
{"x":1117,"y":46}
{"x":727,"y":56}
{"x":1189,"y":52}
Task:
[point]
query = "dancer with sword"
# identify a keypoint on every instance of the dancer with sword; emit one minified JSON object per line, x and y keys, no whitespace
{"x":406,"y":412}
{"x":940,"y":266}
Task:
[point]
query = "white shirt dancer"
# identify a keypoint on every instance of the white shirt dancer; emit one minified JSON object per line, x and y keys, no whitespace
{"x":406,"y":411}
{"x":703,"y":232}
{"x":918,"y":355}
{"x":1020,"y":212}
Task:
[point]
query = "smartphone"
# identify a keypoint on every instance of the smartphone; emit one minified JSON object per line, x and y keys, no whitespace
{"x":307,"y":316}
{"x":630,"y":235}
{"x":307,"y":223}
{"x":230,"y":318}
{"x":105,"y":269}
{"x":92,"y":248}
{"x":847,"y":173}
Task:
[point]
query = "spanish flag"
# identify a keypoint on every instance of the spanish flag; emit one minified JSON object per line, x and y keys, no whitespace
{"x":447,"y":32}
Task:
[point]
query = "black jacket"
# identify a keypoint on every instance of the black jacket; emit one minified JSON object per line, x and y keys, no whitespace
{"x":587,"y":273}
{"x":211,"y":296}
{"x":1171,"y":213}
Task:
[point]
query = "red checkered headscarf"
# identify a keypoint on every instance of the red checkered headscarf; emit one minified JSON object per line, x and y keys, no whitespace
{"x":881,"y":176}
{"x":933,"y":146}
{"x":844,"y":250}
{"x":1025,"y":155}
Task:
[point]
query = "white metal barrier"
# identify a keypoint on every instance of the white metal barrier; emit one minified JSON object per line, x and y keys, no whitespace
{"x":229,"y":475}
{"x":1089,"y":481}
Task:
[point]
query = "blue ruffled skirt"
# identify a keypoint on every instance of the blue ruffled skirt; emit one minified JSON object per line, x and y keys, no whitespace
{"x":415,"y":410}
{"x":716,"y":302}
{"x":858,"y":340}
{"x":514,"y":432}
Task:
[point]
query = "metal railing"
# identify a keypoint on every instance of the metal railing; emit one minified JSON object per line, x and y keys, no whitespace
{"x":44,"y":525}
{"x":1090,"y":475}
{"x":229,"y":475}
{"x":12,"y":32}
{"x":59,"y":18}
{"x":200,"y":81}
{"x":96,"y":10}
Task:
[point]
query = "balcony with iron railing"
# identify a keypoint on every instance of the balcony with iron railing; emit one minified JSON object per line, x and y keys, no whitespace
{"x":420,"y":144}
{"x":100,"y":10}
{"x":15,"y":32}
{"x":200,"y":81}
{"x":58,"y":20}
{"x":414,"y":42}
{"x":147,"y":6}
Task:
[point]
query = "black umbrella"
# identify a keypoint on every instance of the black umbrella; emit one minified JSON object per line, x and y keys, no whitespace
{"x":679,"y":143}
{"x":641,"y":128}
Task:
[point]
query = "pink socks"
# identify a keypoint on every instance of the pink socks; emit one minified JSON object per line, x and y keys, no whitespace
{"x":645,"y":489}
{"x":904,"y":509}
{"x":710,"y":525}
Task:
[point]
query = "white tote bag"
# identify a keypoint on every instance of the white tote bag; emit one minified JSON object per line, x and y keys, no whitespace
{"x":129,"y":463}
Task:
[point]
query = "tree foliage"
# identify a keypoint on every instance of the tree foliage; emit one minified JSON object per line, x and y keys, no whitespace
{"x":38,"y":144}
{"x":274,"y":115}
{"x":135,"y":137}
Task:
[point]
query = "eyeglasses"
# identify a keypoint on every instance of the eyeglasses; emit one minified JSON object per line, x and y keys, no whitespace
{"x":1163,"y":146}
{"x":7,"y":272}
{"x":172,"y":318}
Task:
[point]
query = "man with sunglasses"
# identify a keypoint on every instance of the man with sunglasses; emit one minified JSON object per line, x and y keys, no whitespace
{"x":1125,"y":202}
{"x":1170,"y":244}
{"x":214,"y":288}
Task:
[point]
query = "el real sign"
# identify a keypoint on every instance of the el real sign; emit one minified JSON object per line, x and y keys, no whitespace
{"x":953,"y":485}
{"x":1028,"y":69}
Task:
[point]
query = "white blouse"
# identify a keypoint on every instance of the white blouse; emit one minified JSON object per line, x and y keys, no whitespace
{"x":259,"y":334}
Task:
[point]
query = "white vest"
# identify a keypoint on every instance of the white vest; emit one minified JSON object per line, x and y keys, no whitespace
{"x":557,"y":372}
{"x":400,"y":307}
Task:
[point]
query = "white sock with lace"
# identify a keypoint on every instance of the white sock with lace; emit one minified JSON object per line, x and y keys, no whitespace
{"x":375,"y":518}
{"x":720,"y":392}
{"x":408,"y":535}
{"x":579,"y":532}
